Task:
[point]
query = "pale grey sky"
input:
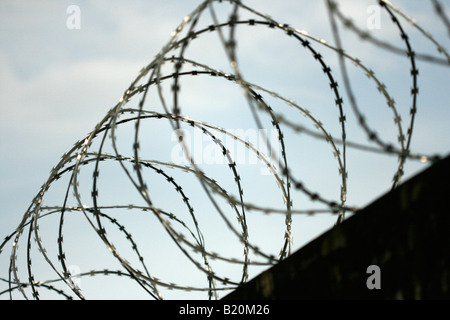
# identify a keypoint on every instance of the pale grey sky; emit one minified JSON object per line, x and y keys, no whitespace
{"x":56,"y":84}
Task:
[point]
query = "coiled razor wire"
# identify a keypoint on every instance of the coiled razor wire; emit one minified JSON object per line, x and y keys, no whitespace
{"x":187,"y":234}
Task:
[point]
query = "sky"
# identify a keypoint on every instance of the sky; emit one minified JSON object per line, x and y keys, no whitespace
{"x":63,"y":70}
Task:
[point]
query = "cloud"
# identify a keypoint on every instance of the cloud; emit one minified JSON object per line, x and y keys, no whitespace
{"x":64,"y":94}
{"x":56,"y":84}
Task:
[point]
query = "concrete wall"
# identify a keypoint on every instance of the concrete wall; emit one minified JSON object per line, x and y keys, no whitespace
{"x":406,"y":233}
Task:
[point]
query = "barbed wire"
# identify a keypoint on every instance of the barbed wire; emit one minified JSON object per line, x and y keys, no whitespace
{"x":168,"y":69}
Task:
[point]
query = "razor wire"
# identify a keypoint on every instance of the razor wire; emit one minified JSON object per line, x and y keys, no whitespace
{"x":135,"y":107}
